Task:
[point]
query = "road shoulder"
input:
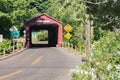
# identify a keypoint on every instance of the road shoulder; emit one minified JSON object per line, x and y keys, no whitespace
{"x":12,"y":54}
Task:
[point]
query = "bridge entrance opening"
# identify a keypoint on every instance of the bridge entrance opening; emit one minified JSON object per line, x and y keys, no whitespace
{"x":47,"y":35}
{"x":39,"y":37}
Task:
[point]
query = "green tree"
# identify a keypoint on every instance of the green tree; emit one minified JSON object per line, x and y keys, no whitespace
{"x":16,"y":12}
{"x":73,"y":13}
{"x":22,"y":12}
{"x":106,"y":13}
{"x":6,"y":6}
{"x":5,"y":24}
{"x":41,"y":5}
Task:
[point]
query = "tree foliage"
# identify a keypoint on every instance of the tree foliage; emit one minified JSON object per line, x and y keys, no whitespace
{"x":41,"y":5}
{"x":73,"y":13}
{"x":105,"y":13}
{"x":16,"y":12}
{"x":104,"y":62}
{"x":5,"y":24}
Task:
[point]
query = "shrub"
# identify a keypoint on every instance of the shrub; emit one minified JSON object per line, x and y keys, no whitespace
{"x":104,"y":61}
{"x":5,"y":44}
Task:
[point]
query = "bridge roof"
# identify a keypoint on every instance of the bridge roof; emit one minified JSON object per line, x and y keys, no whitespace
{"x":42,"y":19}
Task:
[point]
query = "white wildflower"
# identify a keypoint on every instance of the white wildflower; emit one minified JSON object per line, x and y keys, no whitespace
{"x":90,"y":59}
{"x":109,"y":67}
{"x":81,"y":71}
{"x":86,"y":72}
{"x":119,"y":75}
{"x":115,"y":0}
{"x":93,"y":73}
{"x":77,"y":67}
{"x":118,"y":52}
{"x":72,"y":71}
{"x":93,"y":76}
{"x":93,"y":69}
{"x":117,"y":67}
{"x":91,"y":54}
{"x":102,"y":77}
{"x":78,"y":71}
{"x":97,"y":63}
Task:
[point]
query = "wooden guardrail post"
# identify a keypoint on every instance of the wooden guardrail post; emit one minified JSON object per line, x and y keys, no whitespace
{"x":4,"y":51}
{"x":65,"y":44}
{"x":72,"y":46}
{"x":80,"y":50}
{"x":75,"y":48}
{"x":68,"y":45}
{"x":13,"y":49}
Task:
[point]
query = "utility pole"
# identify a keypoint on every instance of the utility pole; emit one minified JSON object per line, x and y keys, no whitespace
{"x":87,"y":35}
{"x":87,"y":27}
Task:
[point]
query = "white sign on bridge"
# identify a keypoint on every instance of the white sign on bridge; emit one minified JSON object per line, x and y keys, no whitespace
{"x":1,"y":38}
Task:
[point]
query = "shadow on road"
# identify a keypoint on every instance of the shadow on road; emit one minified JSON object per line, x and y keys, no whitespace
{"x":41,"y":46}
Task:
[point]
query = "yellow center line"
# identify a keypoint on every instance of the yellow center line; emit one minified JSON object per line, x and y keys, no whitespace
{"x":37,"y":60}
{"x":11,"y":74}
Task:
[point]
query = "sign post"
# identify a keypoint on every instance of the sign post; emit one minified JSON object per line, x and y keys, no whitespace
{"x":68,"y":35}
{"x":14,"y":34}
{"x":13,"y":28}
{"x":1,"y":38}
{"x":68,"y":28}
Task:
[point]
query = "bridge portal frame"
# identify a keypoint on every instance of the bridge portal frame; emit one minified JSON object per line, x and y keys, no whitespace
{"x":41,"y":20}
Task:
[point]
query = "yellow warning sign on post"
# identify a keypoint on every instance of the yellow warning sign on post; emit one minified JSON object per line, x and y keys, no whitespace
{"x":68,"y":28}
{"x":68,"y":35}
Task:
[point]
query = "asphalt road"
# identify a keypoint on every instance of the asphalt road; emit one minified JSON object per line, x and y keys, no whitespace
{"x":39,"y":64}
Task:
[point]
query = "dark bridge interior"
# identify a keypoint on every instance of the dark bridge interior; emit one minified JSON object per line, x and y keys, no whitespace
{"x":52,"y":34}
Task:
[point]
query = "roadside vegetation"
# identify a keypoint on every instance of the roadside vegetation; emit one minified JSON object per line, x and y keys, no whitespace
{"x":104,"y":60}
{"x":7,"y":46}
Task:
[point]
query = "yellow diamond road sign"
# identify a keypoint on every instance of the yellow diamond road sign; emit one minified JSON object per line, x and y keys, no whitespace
{"x":68,"y":35}
{"x":68,"y":28}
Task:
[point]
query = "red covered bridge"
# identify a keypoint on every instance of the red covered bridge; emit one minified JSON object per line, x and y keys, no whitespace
{"x":44,"y":22}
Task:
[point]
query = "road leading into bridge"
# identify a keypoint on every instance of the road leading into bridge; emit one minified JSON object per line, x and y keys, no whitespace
{"x":39,"y":64}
